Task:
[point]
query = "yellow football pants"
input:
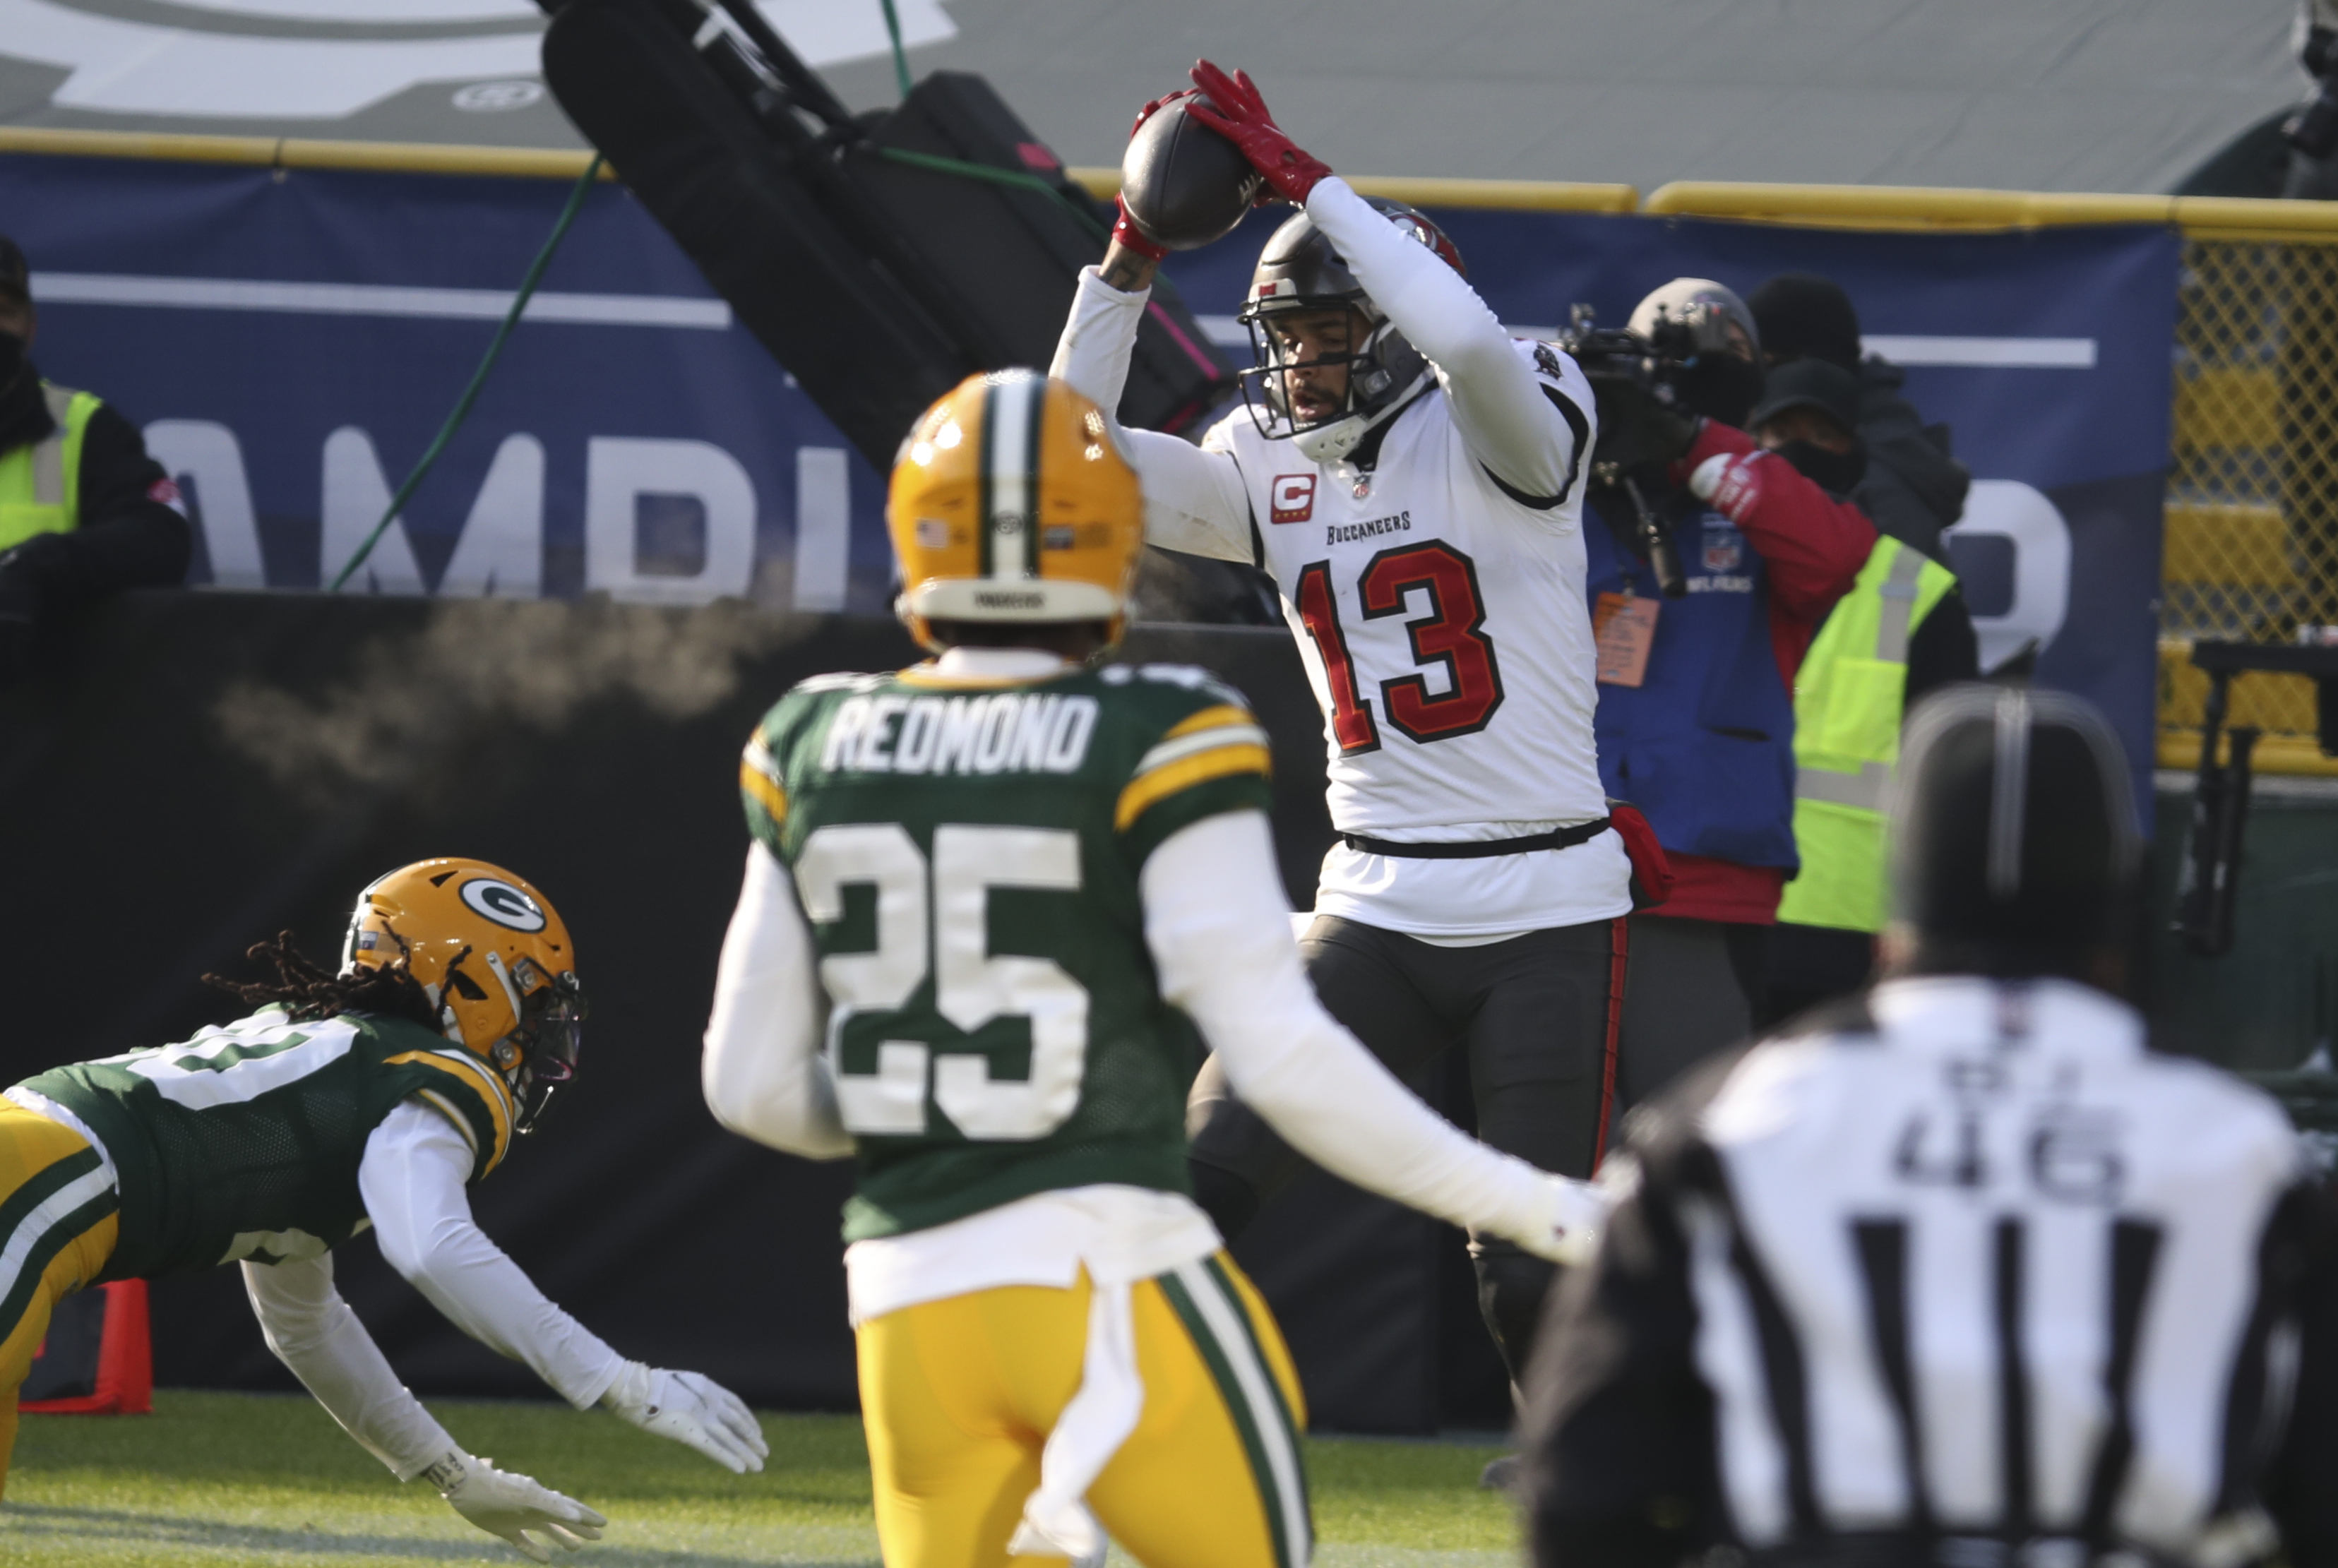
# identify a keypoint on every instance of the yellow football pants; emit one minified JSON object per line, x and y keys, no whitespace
{"x":57,"y":1228}
{"x":960,"y":1395}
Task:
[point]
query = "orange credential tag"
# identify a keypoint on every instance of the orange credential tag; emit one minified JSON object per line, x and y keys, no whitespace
{"x":1625,"y":627}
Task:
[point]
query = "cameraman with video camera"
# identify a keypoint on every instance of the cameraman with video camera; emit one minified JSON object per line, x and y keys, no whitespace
{"x":1717,"y":562}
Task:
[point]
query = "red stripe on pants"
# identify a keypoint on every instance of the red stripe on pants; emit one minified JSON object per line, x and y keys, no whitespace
{"x":1619,"y":947}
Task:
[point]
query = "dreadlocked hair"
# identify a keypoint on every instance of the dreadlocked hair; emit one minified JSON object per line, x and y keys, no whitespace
{"x":307,"y":992}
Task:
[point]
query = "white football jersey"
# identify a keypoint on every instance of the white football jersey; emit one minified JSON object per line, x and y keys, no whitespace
{"x":1444,"y":627}
{"x":1442,"y":621}
{"x":1442,"y":618}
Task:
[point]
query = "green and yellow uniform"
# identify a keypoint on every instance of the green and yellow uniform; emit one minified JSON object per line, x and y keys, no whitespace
{"x":243,"y":1143}
{"x":1026,"y":1047}
{"x":968,"y":855}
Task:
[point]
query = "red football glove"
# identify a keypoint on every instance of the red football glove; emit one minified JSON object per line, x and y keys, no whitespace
{"x":1237,"y":112}
{"x":1129,"y":237}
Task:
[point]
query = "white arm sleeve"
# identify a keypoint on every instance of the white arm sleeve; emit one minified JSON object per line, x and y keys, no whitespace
{"x":411,"y":1179}
{"x":1193,"y":497}
{"x":1215,"y":918}
{"x":312,"y":1331}
{"x":763,"y":1074}
{"x":1503,"y":412}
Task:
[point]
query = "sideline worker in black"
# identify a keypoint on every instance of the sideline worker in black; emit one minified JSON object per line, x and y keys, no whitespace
{"x":84,"y":511}
{"x":1913,"y":486}
{"x":1960,"y":1273}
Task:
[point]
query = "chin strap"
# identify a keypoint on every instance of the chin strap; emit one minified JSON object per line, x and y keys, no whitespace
{"x":1333,"y":442}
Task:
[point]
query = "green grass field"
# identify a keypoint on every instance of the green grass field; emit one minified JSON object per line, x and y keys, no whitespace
{"x":220,"y":1478}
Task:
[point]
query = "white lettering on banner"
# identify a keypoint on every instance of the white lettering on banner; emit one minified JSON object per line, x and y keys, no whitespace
{"x":823,"y":528}
{"x":2040,"y":539}
{"x":1007,"y":732}
{"x":499,"y":554}
{"x":205,"y":459}
{"x":619,"y":471}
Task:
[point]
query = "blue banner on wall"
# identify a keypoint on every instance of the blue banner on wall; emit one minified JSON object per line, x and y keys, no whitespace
{"x":291,"y":339}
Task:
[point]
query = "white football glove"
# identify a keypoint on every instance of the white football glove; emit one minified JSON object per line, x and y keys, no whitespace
{"x":510,"y":1505}
{"x":1058,"y":1528}
{"x":1573,"y":1213}
{"x":692,"y":1410}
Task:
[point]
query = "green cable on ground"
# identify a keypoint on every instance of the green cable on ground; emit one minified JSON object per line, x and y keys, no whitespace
{"x":462,"y":409}
{"x":901,"y":56}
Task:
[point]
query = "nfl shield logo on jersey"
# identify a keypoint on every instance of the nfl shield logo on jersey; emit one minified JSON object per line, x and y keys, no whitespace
{"x":1724,"y":547}
{"x":1292,"y":497}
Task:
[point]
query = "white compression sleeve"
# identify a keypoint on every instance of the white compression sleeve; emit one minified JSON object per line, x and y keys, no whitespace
{"x":1193,"y":499}
{"x":762,"y":1072}
{"x":412,"y":1176}
{"x":1500,"y":408}
{"x":1216,"y":921}
{"x":312,"y":1331}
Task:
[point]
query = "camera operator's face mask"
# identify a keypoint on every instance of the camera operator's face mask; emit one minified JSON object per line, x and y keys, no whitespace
{"x":1837,"y":472}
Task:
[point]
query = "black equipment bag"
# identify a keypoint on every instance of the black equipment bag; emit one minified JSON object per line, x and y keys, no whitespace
{"x":1011,"y":255}
{"x":878,"y":284}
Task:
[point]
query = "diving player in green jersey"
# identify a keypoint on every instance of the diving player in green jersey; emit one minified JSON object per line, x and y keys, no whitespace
{"x":374,"y":1097}
{"x":993,"y":904}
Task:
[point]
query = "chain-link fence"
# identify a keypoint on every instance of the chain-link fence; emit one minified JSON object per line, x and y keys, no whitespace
{"x":2252,"y":543}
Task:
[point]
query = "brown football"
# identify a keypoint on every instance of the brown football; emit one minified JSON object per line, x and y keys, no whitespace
{"x":1184,"y":184}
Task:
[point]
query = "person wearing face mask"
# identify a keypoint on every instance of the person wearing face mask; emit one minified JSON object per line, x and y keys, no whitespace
{"x":84,"y":511}
{"x":1912,"y":488}
{"x":1696,"y":708}
{"x":1902,"y":630}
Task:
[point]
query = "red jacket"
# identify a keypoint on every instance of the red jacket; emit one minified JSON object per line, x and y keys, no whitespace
{"x":1813,"y":547}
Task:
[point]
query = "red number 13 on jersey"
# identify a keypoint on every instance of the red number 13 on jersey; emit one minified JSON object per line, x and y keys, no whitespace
{"x":1451,"y":633}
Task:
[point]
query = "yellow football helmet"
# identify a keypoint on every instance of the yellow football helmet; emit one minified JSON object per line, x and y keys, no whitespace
{"x":495,"y":959}
{"x":1011,"y":502}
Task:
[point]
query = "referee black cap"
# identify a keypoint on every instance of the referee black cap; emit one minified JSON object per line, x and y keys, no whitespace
{"x":2013,"y":828}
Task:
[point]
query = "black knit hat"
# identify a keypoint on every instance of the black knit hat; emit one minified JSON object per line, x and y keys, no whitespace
{"x":1804,"y":316}
{"x":1817,"y":384}
{"x":2012,"y":831}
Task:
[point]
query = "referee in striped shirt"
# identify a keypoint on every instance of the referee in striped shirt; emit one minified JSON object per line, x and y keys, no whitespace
{"x":1957,"y":1272}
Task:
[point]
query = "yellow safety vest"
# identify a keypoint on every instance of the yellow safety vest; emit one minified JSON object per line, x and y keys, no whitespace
{"x":1847,"y":702}
{"x":40,"y":484}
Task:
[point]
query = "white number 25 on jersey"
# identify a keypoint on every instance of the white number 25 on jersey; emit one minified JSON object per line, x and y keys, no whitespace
{"x":971,"y":986}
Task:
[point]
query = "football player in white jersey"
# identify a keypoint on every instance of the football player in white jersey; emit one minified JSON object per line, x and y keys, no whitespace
{"x":1412,"y":477}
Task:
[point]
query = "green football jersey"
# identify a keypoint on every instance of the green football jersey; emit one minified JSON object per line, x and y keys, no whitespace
{"x":968,"y":854}
{"x":244,"y":1142}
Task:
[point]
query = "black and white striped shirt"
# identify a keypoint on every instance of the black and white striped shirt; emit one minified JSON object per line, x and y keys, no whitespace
{"x":1964,"y":1275}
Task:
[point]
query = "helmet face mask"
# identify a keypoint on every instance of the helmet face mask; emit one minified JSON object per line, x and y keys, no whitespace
{"x":548,"y":1040}
{"x":495,"y":959}
{"x":1300,"y":274}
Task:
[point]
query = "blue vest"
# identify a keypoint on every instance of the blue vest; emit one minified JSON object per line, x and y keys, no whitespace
{"x":1704,"y":746}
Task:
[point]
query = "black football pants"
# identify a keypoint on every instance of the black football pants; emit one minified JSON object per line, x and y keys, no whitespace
{"x":1537,"y":1015}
